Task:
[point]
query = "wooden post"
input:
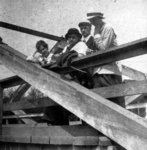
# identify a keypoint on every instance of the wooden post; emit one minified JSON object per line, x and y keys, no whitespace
{"x":1,"y":108}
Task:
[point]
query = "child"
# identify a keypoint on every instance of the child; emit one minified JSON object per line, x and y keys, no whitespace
{"x":41,"y":54}
{"x":75,"y":47}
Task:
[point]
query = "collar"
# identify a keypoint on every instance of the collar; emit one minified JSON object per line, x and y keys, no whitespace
{"x":86,"y":39}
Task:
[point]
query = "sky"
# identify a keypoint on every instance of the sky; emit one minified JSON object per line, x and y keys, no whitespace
{"x":129,"y":19}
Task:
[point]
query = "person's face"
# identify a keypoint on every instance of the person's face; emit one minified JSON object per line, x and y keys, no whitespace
{"x":43,"y":50}
{"x":73,"y":39}
{"x":95,"y":21}
{"x":85,"y":30}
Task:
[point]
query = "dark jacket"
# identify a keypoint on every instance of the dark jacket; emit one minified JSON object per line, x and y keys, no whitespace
{"x":91,"y":44}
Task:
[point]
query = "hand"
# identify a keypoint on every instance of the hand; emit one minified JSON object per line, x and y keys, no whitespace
{"x":89,"y":51}
{"x":97,"y":38}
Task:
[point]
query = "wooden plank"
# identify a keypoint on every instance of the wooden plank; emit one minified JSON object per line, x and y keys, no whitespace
{"x":139,"y":105}
{"x":48,"y":131}
{"x":25,"y":120}
{"x":78,"y":140}
{"x":17,"y":96}
{"x":24,"y":116}
{"x":58,"y":140}
{"x":11,"y":81}
{"x":125,"y":89}
{"x":127,"y":71}
{"x":16,"y":139}
{"x":130,"y":99}
{"x":43,"y":102}
{"x":28,"y":31}
{"x":133,"y":74}
{"x":122,"y":126}
{"x":21,"y":90}
{"x":1,"y":108}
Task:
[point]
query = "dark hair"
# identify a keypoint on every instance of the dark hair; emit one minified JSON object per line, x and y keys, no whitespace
{"x":41,"y":42}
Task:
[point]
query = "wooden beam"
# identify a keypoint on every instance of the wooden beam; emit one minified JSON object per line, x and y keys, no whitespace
{"x":127,"y":71}
{"x":139,"y":105}
{"x":64,"y":135}
{"x":121,"y":52}
{"x":28,"y":31}
{"x":24,"y":116}
{"x":130,"y":99}
{"x":122,"y":126}
{"x":1,"y":108}
{"x":135,"y":87}
{"x":45,"y":130}
{"x":125,"y":89}
{"x":17,"y":96}
{"x":39,"y":103}
{"x":25,"y":120}
{"x":21,"y":90}
{"x":133,"y":74}
{"x":11,"y":81}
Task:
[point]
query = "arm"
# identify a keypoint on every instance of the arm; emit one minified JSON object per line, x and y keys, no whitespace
{"x":106,"y":40}
{"x":81,"y":48}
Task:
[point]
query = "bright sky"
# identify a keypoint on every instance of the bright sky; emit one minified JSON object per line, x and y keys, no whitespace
{"x":56,"y":16}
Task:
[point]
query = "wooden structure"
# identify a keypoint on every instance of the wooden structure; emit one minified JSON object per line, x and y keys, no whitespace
{"x":113,"y":122}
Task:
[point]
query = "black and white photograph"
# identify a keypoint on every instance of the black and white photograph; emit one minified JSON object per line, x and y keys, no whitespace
{"x":73,"y":75}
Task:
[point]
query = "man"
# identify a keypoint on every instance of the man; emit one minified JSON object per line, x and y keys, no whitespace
{"x":85,"y":28}
{"x":105,"y":38}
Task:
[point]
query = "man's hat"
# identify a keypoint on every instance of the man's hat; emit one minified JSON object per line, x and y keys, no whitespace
{"x":1,"y":41}
{"x":95,"y":14}
{"x":84,"y":23}
{"x":73,"y":31}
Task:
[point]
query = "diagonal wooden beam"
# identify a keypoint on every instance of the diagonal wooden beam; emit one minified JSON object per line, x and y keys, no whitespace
{"x":130,"y":99}
{"x":28,"y":31}
{"x":124,"y":51}
{"x":17,"y":96}
{"x":133,"y":74}
{"x":136,"y":87}
{"x":1,"y":108}
{"x":11,"y":81}
{"x":20,"y":92}
{"x":42,"y":102}
{"x":122,"y":126}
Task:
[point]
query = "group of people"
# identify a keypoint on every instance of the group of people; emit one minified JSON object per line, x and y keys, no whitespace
{"x":83,"y":43}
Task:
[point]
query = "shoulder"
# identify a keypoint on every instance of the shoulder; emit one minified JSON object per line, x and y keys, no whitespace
{"x":107,"y":27}
{"x":81,"y":44}
{"x":91,"y":38}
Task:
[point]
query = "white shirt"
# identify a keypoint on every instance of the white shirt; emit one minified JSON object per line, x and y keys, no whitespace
{"x":105,"y":40}
{"x":85,"y":39}
{"x":81,"y":48}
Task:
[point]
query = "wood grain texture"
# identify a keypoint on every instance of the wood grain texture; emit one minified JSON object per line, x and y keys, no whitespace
{"x":133,"y":88}
{"x":122,"y":126}
{"x":1,"y":108}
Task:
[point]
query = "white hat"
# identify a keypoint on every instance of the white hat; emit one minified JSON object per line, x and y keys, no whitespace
{"x":84,"y":22}
{"x":91,"y":15}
